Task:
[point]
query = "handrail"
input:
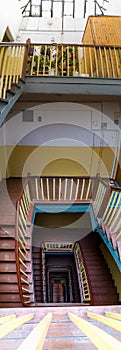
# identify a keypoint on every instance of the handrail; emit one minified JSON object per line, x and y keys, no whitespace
{"x":62,"y":189}
{"x":72,"y":60}
{"x":82,"y":275}
{"x":109,"y":214}
{"x":21,"y":248}
{"x":57,"y":246}
{"x":84,"y":60}
{"x":13,"y":61}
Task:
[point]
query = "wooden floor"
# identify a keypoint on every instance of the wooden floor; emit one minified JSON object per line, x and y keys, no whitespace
{"x":62,"y":333}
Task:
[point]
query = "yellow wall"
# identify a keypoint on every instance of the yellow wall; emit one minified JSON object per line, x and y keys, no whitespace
{"x":5,"y":152}
{"x":116,"y":274}
{"x":53,"y":161}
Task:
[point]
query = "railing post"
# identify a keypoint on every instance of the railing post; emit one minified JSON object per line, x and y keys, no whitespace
{"x":28,"y":42}
{"x":95,"y":186}
{"x":106,"y":199}
{"x":31,"y":184}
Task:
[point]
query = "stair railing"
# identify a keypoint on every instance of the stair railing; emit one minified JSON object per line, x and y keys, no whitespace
{"x":62,"y":189}
{"x":85,"y":60}
{"x":13,"y":61}
{"x":23,"y":248}
{"x":18,"y":59}
{"x":85,"y":291}
{"x":107,"y":210}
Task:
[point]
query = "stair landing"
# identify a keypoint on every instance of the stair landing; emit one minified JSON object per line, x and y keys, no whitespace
{"x":62,"y":333}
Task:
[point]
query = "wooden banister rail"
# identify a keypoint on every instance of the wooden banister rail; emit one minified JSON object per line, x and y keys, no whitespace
{"x":84,"y":284}
{"x":109,"y":215}
{"x":84,"y":60}
{"x":23,"y":248}
{"x":13,"y":62}
{"x":95,"y":61}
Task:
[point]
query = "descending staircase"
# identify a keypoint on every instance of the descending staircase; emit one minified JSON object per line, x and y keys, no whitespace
{"x":9,"y":292}
{"x":37,"y":273}
{"x":101,"y":283}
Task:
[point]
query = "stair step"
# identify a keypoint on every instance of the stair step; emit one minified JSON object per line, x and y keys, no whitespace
{"x":7,"y":267}
{"x":37,"y":288}
{"x":104,"y":290}
{"x":7,"y":255}
{"x":103,"y":283}
{"x":9,"y":297}
{"x":36,"y":261}
{"x":102,"y":300}
{"x":9,"y":288}
{"x":8,"y":243}
{"x":36,"y":267}
{"x":10,"y":305}
{"x":37,"y":283}
{"x":35,"y":255}
{"x":7,"y":232}
{"x":8,"y":278}
{"x":36,"y":273}
{"x":35,"y":249}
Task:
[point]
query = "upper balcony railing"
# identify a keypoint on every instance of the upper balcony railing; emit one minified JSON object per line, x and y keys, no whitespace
{"x":71,"y":60}
{"x":90,"y":61}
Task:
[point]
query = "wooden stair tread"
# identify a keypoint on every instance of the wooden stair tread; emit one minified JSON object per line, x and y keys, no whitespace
{"x":9,"y":288}
{"x":9,"y":297}
{"x":8,"y":278}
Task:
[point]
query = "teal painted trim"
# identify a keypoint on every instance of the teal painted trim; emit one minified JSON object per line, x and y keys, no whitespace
{"x":108,"y":244}
{"x":57,"y":208}
{"x":60,"y":208}
{"x":93,"y":219}
{"x":68,"y":208}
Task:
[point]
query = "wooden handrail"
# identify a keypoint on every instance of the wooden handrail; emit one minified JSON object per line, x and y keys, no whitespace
{"x":22,"y":209}
{"x":13,"y":63}
{"x":87,"y":274}
{"x":84,"y":60}
{"x":17,"y":257}
{"x":82,"y":276}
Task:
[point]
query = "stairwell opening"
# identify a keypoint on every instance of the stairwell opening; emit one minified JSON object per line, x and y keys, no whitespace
{"x":54,"y":268}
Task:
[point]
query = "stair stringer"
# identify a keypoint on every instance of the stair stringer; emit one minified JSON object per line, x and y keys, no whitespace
{"x":12,"y":96}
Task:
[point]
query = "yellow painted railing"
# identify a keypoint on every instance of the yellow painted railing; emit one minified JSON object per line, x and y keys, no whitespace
{"x":72,"y":60}
{"x":17,"y":59}
{"x":62,"y":189}
{"x":82,"y":275}
{"x":23,"y":248}
{"x":109,"y":217}
{"x":13,"y":60}
{"x":55,"y":246}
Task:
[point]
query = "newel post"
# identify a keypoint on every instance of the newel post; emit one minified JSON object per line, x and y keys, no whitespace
{"x":26,"y":54}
